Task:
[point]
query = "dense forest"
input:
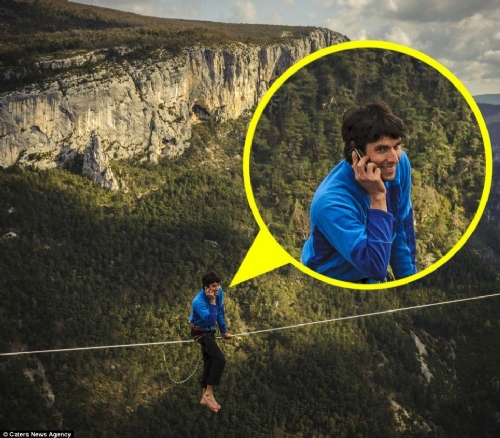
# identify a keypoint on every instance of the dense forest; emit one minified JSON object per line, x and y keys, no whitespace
{"x":80,"y":266}
{"x":298,"y":141}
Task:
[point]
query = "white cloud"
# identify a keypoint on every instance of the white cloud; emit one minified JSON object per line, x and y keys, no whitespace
{"x":276,"y":18}
{"x":492,"y":54}
{"x":491,"y":57}
{"x":354,"y":4}
{"x":392,"y":5}
{"x":324,"y":3}
{"x":243,"y":12}
{"x":347,"y":22}
{"x":430,"y":10}
{"x":468,"y":46}
{"x":474,"y":70}
{"x":362,"y":35}
{"x":188,"y":8}
{"x":285,"y":6}
{"x":450,"y":63}
{"x":398,"y":35}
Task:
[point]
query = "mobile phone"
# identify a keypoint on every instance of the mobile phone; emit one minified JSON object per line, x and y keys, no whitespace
{"x":359,"y":153}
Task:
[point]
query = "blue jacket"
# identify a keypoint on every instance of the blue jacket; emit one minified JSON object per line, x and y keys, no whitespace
{"x":206,"y":315}
{"x":349,"y":241}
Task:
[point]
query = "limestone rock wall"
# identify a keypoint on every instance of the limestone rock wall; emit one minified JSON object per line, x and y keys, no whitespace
{"x":95,"y":165}
{"x":144,"y":108}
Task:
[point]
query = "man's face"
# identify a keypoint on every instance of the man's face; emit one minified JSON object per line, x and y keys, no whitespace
{"x":213,"y":287}
{"x":385,"y":153}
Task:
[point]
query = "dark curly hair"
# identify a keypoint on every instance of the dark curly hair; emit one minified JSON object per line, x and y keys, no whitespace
{"x":210,"y":278}
{"x":367,"y":124}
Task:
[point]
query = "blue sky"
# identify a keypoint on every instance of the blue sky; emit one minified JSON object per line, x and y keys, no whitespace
{"x":463,"y":35}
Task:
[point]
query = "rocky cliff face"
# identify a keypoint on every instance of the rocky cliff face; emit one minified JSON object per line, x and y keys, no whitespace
{"x":95,"y":165}
{"x":144,"y":108}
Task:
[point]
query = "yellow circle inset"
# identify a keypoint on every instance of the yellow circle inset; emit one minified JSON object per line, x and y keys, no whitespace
{"x":269,"y":240}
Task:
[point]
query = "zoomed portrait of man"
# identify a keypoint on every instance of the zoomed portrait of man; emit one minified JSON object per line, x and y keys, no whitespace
{"x":367,"y":165}
{"x":361,"y":214}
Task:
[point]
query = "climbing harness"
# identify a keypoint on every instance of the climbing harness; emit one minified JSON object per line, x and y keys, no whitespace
{"x":200,"y":332}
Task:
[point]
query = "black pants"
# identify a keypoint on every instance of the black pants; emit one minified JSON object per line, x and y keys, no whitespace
{"x":213,"y":359}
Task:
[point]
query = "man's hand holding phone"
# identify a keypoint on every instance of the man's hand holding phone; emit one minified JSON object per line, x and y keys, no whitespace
{"x":210,"y":293}
{"x":368,"y":175}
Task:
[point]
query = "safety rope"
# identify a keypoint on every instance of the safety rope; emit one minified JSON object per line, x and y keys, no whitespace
{"x":178,"y":382}
{"x":343,"y":318}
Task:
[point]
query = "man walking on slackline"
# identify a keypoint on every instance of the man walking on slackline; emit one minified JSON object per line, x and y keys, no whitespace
{"x":207,"y":311}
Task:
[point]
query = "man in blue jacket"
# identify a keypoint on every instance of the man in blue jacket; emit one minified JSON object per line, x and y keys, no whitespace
{"x":207,"y":311}
{"x":361,"y":214}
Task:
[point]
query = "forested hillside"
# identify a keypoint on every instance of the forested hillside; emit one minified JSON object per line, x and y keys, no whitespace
{"x":81,"y":266}
{"x":298,"y":141}
{"x":34,"y":32}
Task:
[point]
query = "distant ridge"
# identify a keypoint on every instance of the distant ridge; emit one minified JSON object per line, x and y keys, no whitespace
{"x":65,"y":29}
{"x":492,"y":99}
{"x":42,"y":38}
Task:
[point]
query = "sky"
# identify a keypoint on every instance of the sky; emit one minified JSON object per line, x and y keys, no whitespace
{"x":462,"y":35}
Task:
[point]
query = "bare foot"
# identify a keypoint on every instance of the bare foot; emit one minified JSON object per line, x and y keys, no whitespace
{"x":211,"y":396}
{"x":210,"y":403}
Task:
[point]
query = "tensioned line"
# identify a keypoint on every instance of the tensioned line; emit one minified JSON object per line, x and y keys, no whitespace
{"x":342,"y":318}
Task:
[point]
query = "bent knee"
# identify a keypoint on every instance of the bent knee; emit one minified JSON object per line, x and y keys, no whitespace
{"x":221,"y":360}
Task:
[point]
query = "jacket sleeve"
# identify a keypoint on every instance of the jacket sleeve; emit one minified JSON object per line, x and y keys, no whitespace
{"x":364,"y":242}
{"x":207,"y":312}
{"x":403,"y":252}
{"x":221,"y":320}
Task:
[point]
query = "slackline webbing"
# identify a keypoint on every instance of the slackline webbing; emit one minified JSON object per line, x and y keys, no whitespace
{"x":343,"y":318}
